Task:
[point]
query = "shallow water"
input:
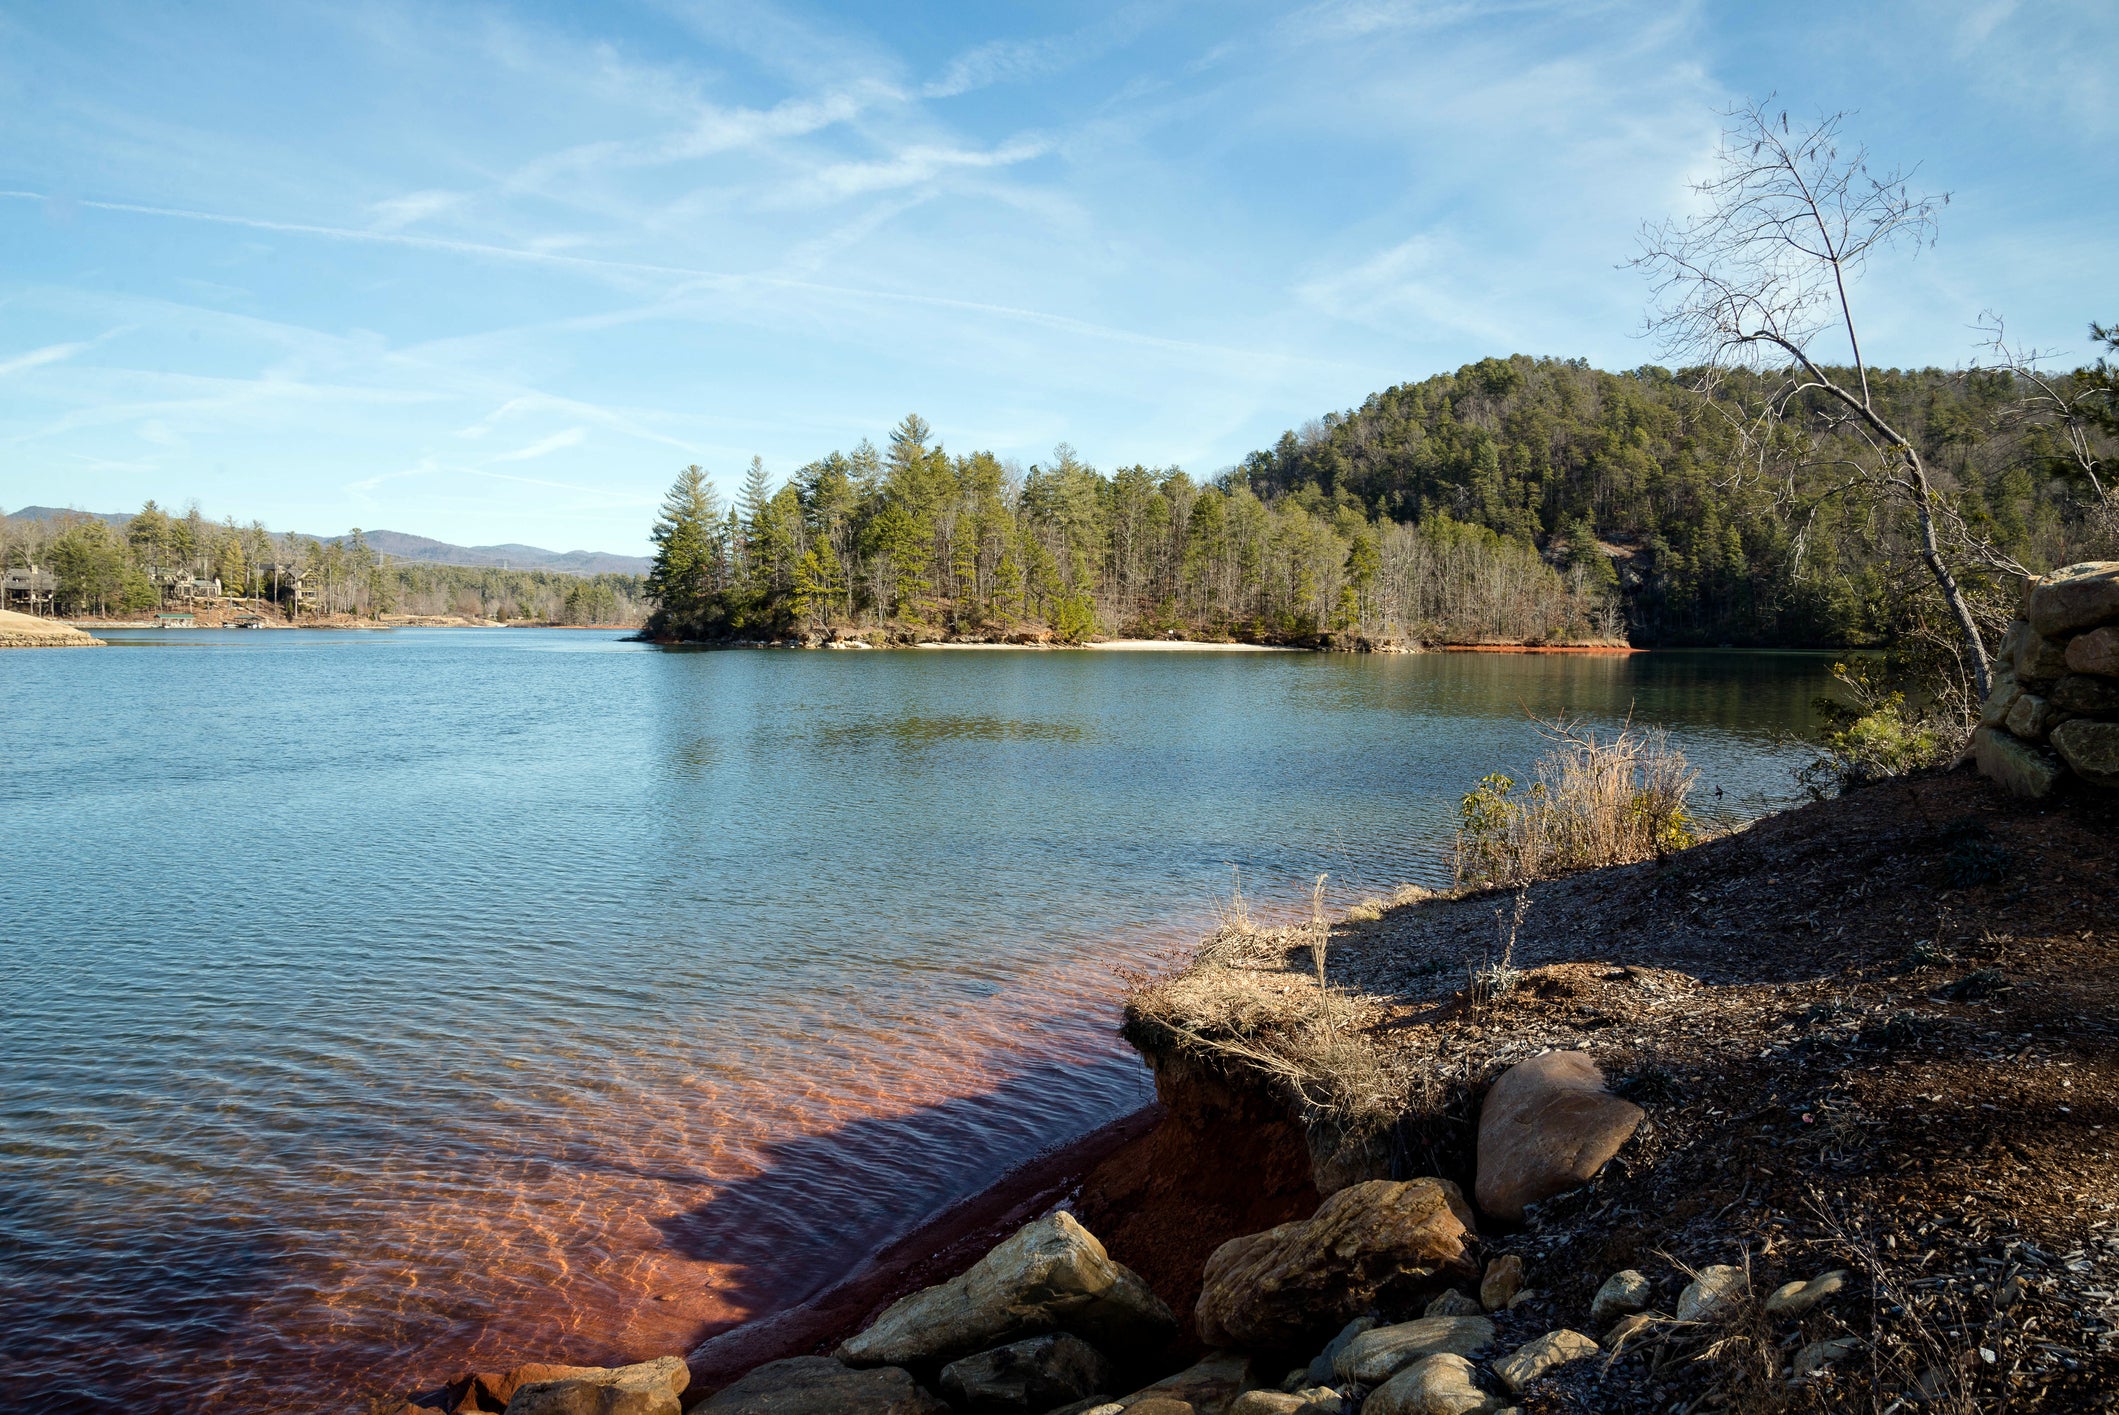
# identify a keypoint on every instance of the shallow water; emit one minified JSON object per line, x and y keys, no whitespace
{"x":379,"y":1006}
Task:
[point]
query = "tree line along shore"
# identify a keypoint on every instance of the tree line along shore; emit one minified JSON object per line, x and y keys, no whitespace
{"x":159,"y":563}
{"x":1516,"y":500}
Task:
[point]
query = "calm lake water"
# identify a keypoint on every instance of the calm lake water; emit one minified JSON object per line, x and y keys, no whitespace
{"x":379,"y":1006}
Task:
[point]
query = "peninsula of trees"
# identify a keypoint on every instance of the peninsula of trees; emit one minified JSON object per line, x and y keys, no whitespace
{"x":1517,"y":500}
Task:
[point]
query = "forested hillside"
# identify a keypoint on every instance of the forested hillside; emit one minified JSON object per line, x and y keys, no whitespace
{"x":1520,"y":499}
{"x":1647,"y":485}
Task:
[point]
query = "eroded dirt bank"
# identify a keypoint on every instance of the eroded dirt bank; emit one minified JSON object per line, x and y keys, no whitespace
{"x":1879,"y":1033}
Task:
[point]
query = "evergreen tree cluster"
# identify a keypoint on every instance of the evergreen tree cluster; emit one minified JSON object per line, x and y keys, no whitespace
{"x":916,"y":539}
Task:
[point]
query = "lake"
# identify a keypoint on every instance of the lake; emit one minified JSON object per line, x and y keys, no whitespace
{"x":383,"y":1005}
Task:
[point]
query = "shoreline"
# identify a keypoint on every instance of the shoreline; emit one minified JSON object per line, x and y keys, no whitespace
{"x":1753,"y":1032}
{"x":937,"y":1249}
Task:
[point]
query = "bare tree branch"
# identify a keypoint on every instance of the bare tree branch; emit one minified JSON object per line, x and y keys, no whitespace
{"x":1756,"y":278}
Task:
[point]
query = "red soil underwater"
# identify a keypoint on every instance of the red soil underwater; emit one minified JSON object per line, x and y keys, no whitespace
{"x":1162,"y":1187}
{"x":1540,"y":648}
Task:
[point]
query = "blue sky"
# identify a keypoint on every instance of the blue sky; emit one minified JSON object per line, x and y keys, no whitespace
{"x":495,"y":272}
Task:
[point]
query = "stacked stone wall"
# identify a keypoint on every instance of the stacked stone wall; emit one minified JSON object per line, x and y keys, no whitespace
{"x":2053,"y":712}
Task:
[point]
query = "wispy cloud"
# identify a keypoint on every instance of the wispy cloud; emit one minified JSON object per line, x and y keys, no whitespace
{"x":396,"y":213}
{"x":545,"y":446}
{"x":914,"y":165}
{"x":49,"y":354}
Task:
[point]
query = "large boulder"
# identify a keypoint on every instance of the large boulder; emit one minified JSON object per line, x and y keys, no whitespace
{"x":2088,"y":694}
{"x":2095,"y":652}
{"x":1547,"y":1125}
{"x":2076,"y":597}
{"x":1437,"y":1385}
{"x":1375,"y":1356}
{"x":2016,"y":767}
{"x":2091,"y":748}
{"x":1292,"y":1286}
{"x":649,"y":1388}
{"x":1026,"y":1377}
{"x":1051,"y":1276}
{"x":2033,"y":717}
{"x":2039,"y":659}
{"x":818,"y":1385}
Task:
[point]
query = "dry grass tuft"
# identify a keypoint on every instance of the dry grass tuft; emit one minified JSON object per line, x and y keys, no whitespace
{"x":1257,"y":998}
{"x":1376,"y":905}
{"x":1598,"y":800}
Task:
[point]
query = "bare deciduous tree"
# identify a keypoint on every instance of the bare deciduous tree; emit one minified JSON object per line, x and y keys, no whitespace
{"x":1760,"y":277}
{"x":2070,"y":409}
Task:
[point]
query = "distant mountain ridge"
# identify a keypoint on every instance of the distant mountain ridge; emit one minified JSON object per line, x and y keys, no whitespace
{"x":402,"y":546}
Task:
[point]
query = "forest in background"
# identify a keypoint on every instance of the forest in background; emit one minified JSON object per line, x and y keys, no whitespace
{"x":136,"y":568}
{"x":1515,"y":500}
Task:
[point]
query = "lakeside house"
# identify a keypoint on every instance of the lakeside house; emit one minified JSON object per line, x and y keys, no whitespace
{"x":28,"y":591}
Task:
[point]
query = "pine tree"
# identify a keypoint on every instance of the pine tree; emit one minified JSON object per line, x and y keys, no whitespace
{"x":683,"y":577}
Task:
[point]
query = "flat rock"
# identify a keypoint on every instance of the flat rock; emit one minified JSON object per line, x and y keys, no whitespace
{"x":1375,"y":1356}
{"x":648,"y":1388}
{"x":1208,"y":1388}
{"x":2095,"y":652}
{"x":1158,"y":1405}
{"x":1534,"y":1358}
{"x":1027,"y":1377}
{"x":1268,"y":1402}
{"x":1622,"y":1294}
{"x":1820,"y":1355}
{"x":1290,"y":1286}
{"x":818,"y":1385}
{"x":1792,"y":1299}
{"x":1712,"y":1293}
{"x":1503,"y":1280}
{"x":2016,"y":767}
{"x":1454,"y":1303}
{"x":1313,"y":1400}
{"x":2075,"y":597}
{"x":1052,"y":1275}
{"x":2088,"y":694}
{"x":1325,"y":1367}
{"x":1546,"y":1126}
{"x":1437,"y":1385}
{"x":2091,"y":749}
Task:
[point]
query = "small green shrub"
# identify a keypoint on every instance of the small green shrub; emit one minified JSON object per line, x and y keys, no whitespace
{"x":1074,"y":619}
{"x":1873,"y":733}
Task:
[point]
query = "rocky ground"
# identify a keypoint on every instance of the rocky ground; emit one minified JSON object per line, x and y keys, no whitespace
{"x":1876,"y":1034}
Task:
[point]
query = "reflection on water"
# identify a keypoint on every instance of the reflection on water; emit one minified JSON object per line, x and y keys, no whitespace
{"x":383,"y":1005}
